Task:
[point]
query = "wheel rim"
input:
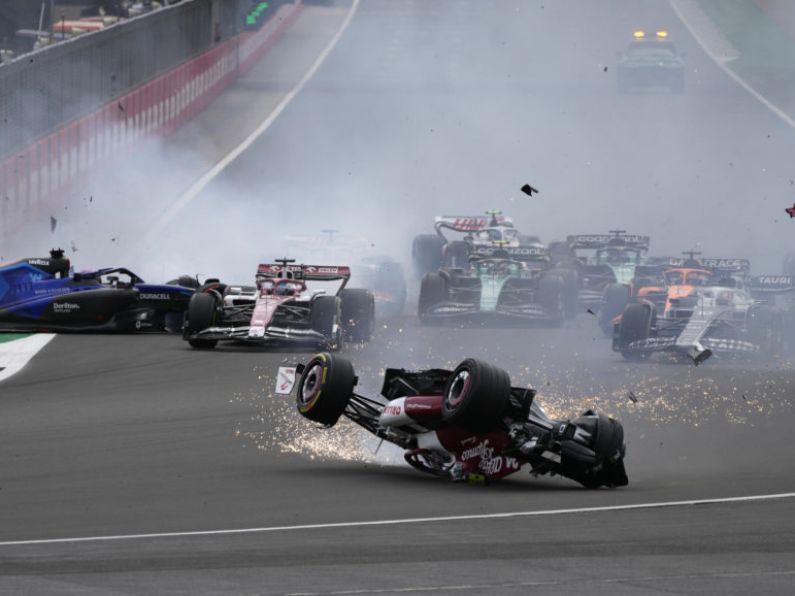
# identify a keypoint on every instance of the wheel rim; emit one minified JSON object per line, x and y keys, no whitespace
{"x":458,"y":388}
{"x":312,"y":384}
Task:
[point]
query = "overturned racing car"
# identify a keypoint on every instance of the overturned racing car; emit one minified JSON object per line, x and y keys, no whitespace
{"x":282,"y":308}
{"x":467,"y":424}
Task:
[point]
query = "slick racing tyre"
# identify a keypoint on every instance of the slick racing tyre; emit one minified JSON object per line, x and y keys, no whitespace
{"x":456,"y":254}
{"x":358,"y":314}
{"x":551,"y":297}
{"x":426,"y":253}
{"x":764,"y":330}
{"x":614,"y":299}
{"x":325,"y":319}
{"x":571,"y":289}
{"x":325,"y":388}
{"x":636,"y":323}
{"x":202,"y":313}
{"x":475,"y":396}
{"x":607,"y":443}
{"x":433,"y":291}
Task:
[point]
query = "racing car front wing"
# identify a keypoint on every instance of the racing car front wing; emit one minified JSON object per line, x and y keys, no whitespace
{"x":471,"y":312}
{"x":262,"y":335}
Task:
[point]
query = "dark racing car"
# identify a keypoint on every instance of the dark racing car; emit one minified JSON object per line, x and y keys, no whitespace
{"x":467,"y":424}
{"x":42,"y":294}
{"x":501,"y":284}
{"x":651,"y":61}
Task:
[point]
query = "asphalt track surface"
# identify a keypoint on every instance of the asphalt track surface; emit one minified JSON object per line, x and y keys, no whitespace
{"x":104,"y":435}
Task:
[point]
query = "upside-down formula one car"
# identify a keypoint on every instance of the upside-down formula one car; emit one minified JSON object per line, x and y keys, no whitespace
{"x":467,"y":424}
{"x":714,"y":309}
{"x":42,"y":294}
{"x":494,"y":289}
{"x":281,"y":309}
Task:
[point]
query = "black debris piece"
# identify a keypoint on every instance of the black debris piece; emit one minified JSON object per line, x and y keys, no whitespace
{"x":632,"y":397}
{"x":529,"y":190}
{"x":53,"y":223}
{"x":590,"y":312}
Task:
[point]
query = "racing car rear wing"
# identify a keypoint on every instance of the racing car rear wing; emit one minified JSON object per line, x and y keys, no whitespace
{"x":470,"y":223}
{"x":305,"y":272}
{"x":772,"y":284}
{"x":517,"y":253}
{"x":595,"y":241}
{"x":738,"y":266}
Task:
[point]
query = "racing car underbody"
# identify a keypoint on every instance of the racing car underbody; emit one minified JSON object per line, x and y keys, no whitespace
{"x":468,"y":424}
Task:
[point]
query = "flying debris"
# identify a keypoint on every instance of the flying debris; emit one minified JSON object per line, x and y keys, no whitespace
{"x":529,"y":190}
{"x":632,"y":397}
{"x":590,"y":312}
{"x":53,"y":223}
{"x":791,"y":210}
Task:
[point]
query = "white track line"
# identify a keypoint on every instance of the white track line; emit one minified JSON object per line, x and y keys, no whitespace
{"x":200,"y":184}
{"x":737,"y":79}
{"x":15,"y":354}
{"x":410,"y":520}
{"x":541,"y":583}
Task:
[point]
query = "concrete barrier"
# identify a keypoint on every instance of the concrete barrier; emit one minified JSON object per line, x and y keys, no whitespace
{"x":59,"y":162}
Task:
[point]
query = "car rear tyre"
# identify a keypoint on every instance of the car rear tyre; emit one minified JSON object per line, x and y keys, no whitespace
{"x":571,"y":290}
{"x":358,"y":314}
{"x":456,"y":254}
{"x":636,"y":322}
{"x":427,"y":253}
{"x":325,"y":388}
{"x":476,"y":396}
{"x":614,"y":299}
{"x":325,"y":318}
{"x":551,"y":297}
{"x":433,"y":291}
{"x":202,"y":314}
{"x":764,"y":329}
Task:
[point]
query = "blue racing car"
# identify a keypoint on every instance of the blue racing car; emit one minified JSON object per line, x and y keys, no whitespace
{"x":43,"y":294}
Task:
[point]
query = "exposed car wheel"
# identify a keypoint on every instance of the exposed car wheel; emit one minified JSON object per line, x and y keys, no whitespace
{"x":202,"y":313}
{"x":475,"y":396}
{"x":392,"y":281}
{"x":607,"y":443}
{"x":551,"y":297}
{"x":614,"y":299}
{"x":427,"y":253}
{"x":433,"y":291}
{"x":764,"y":329}
{"x":325,"y":388}
{"x":325,"y":318}
{"x":571,"y":290}
{"x":636,"y":322}
{"x":358,"y":314}
{"x":456,"y":254}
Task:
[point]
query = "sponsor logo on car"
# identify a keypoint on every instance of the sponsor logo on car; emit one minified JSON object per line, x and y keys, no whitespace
{"x":392,"y":410}
{"x":43,"y":262}
{"x":154,"y":296}
{"x":65,"y":307}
